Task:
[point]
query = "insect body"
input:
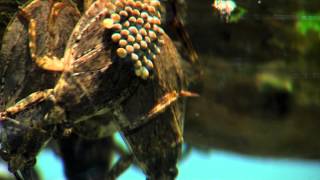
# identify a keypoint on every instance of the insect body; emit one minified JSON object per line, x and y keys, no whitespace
{"x":98,"y":79}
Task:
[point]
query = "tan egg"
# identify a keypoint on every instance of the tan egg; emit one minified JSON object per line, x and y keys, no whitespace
{"x":131,"y":3}
{"x":151,"y":9}
{"x":149,"y":63}
{"x":150,"y":19}
{"x":116,"y":37}
{"x":131,"y":39}
{"x":115,"y":17}
{"x":155,"y":28}
{"x":144,"y":44}
{"x":144,"y":15}
{"x":128,"y":9}
{"x":136,"y":46}
{"x":119,"y":4}
{"x":152,"y":35}
{"x":147,"y":26}
{"x":139,"y":38}
{"x":145,"y":6}
{"x":138,"y":64}
{"x":134,"y":57}
{"x":126,"y":24}
{"x":154,"y":57}
{"x":133,"y":30}
{"x":123,"y":13}
{"x":137,"y":71}
{"x":140,"y":21}
{"x":157,"y":49}
{"x":122,"y":53}
{"x":144,"y":73}
{"x":158,"y":14}
{"x":132,"y":19}
{"x":156,"y":20}
{"x":129,"y":48}
{"x":139,"y":4}
{"x":124,"y":32}
{"x":123,"y":43}
{"x":136,"y":12}
{"x":160,"y":31}
{"x":143,"y":32}
{"x":117,"y":26}
{"x":155,"y":3}
{"x":107,"y":23}
{"x":147,"y":39}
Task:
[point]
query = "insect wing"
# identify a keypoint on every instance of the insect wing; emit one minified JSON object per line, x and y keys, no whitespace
{"x":88,"y":49}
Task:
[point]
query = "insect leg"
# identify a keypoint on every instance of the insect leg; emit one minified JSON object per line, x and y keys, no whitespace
{"x":46,"y":62}
{"x":33,"y":98}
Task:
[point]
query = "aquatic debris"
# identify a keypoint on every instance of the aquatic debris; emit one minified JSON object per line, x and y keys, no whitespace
{"x":225,"y":7}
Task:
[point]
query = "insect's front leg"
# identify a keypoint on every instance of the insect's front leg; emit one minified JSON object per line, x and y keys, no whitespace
{"x":23,"y":104}
{"x":46,"y":62}
{"x":49,"y":27}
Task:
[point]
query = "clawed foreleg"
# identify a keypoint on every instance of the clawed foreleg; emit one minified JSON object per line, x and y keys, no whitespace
{"x":23,"y":104}
{"x":46,"y":62}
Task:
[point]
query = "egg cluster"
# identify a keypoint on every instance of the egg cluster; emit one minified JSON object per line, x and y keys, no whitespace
{"x":136,"y":30}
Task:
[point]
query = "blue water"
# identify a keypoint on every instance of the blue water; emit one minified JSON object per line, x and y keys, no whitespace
{"x":217,"y":165}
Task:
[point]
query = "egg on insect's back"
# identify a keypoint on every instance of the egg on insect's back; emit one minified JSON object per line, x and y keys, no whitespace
{"x":136,"y":33}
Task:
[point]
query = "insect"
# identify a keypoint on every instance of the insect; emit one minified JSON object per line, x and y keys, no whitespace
{"x":111,"y":67}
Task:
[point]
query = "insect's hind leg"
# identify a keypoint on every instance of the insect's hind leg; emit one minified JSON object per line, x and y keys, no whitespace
{"x":23,"y":104}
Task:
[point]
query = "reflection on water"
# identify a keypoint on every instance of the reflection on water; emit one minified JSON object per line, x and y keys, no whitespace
{"x":218,"y":165}
{"x":213,"y":165}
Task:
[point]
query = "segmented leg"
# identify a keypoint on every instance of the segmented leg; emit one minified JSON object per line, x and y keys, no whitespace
{"x":46,"y":62}
{"x":26,"y":102}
